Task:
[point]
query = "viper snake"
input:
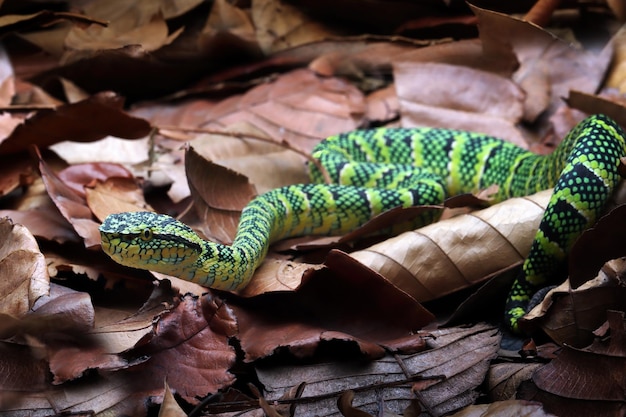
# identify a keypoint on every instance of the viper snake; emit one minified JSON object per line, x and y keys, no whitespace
{"x":378,"y":169}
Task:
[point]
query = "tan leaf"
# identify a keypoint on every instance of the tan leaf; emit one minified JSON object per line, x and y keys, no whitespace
{"x":461,"y":249}
{"x":542,"y":56}
{"x":281,"y":25}
{"x":116,"y":195}
{"x":151,"y":35}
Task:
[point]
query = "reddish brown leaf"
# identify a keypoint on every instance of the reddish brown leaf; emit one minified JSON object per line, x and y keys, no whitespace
{"x":189,"y":348}
{"x":359,"y":307}
{"x":94,"y":118}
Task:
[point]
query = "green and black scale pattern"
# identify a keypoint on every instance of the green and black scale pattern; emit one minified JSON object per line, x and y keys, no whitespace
{"x":380,"y":169}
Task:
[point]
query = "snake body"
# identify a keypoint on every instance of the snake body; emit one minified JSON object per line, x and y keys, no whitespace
{"x":379,"y":169}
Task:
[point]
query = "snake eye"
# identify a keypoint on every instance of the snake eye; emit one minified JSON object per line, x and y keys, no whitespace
{"x":146,"y":234}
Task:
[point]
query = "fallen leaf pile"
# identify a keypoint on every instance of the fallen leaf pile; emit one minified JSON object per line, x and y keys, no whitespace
{"x":192,"y":108}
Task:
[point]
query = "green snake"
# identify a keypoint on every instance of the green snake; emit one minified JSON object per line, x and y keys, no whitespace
{"x":378,"y":169}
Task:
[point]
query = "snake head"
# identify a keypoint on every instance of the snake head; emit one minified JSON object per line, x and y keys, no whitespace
{"x":151,"y":241}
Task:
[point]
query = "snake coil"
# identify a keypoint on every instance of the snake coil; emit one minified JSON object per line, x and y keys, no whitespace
{"x":379,"y":169}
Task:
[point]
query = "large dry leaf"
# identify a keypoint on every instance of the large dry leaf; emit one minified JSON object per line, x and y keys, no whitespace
{"x":459,"y":252}
{"x":446,"y":376}
{"x":151,"y":35}
{"x":359,"y":308}
{"x":547,"y":64}
{"x":14,"y":23}
{"x":23,"y":275}
{"x":299,"y":107}
{"x":456,"y":97}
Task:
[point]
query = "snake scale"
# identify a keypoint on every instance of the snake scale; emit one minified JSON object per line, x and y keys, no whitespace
{"x":378,"y":169}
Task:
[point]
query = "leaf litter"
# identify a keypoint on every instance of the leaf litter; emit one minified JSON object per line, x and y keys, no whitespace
{"x":323,"y":332}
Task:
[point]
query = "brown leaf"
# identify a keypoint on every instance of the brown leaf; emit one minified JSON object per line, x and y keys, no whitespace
{"x":116,"y":195}
{"x":570,"y":316}
{"x":15,"y":171}
{"x":190,"y":348}
{"x":358,"y":307}
{"x":504,"y":409}
{"x":541,"y":55}
{"x":44,"y":222}
{"x":85,"y":121}
{"x":15,"y":23}
{"x":459,"y":98}
{"x":22,"y":374}
{"x":593,"y":376}
{"x":219,"y":195}
{"x":596,"y":246}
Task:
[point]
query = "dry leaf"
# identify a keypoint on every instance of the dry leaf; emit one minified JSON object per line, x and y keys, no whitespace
{"x":281,"y":25}
{"x":299,"y":108}
{"x":75,"y":122}
{"x":22,"y":268}
{"x":360,"y":308}
{"x":456,"y":253}
{"x":71,"y":205}
{"x":504,"y":409}
{"x":579,"y":381}
{"x":454,"y":365}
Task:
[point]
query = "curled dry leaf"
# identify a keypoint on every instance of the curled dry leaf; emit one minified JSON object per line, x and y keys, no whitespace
{"x":453,"y":367}
{"x":456,"y":253}
{"x":570,"y":316}
{"x":251,"y":152}
{"x":219,"y":196}
{"x":116,"y":195}
{"x":588,"y":381}
{"x":44,"y":222}
{"x":504,"y":378}
{"x":22,"y":268}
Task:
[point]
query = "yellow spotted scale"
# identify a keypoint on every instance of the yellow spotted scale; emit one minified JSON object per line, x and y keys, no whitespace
{"x":379,"y":169}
